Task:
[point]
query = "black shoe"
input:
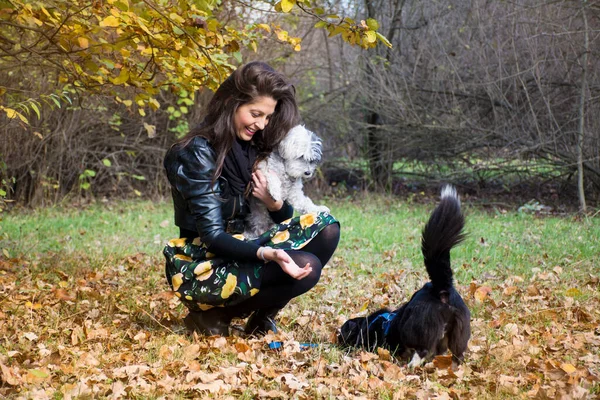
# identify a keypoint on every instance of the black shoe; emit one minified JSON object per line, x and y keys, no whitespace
{"x":262,"y":321}
{"x":210,"y":322}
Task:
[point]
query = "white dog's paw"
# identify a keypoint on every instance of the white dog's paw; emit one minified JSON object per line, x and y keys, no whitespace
{"x":416,"y":361}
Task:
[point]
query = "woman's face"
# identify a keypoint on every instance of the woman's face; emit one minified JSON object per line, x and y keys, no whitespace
{"x":252,"y":117}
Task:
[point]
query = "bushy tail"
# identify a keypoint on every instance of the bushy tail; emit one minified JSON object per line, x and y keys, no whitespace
{"x":443,"y":231}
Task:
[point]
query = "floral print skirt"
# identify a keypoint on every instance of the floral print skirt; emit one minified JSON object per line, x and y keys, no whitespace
{"x":202,"y":281}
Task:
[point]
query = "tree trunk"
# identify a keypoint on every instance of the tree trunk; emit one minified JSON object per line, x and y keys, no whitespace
{"x":581,"y":119}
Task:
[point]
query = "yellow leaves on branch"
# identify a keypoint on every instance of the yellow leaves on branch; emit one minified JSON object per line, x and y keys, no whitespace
{"x":285,"y":5}
{"x":363,"y":34}
{"x":14,"y":114}
{"x":145,"y":45}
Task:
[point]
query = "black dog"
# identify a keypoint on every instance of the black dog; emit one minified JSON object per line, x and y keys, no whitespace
{"x":436,"y":317}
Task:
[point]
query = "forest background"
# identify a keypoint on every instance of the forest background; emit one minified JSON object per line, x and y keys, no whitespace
{"x":499,"y":97}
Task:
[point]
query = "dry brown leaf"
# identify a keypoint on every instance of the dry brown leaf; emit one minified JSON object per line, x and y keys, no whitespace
{"x":63,"y":295}
{"x":241,"y":347}
{"x":9,"y":376}
{"x":442,"y":362}
{"x":367,"y":356}
{"x":384,"y":354}
{"x":481,"y":293}
{"x":510,"y":290}
{"x":37,"y":376}
{"x":291,"y":381}
{"x":268,"y":371}
{"x":271,"y":394}
{"x":218,"y":343}
{"x":191,"y":352}
{"x":214,"y":387}
{"x":118,"y":390}
{"x":532,"y":290}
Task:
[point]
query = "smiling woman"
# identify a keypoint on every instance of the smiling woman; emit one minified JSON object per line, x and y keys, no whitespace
{"x":216,"y":272}
{"x":253,"y":117}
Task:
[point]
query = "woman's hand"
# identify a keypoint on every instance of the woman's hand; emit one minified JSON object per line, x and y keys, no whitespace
{"x":287,"y":264}
{"x":260,"y":190}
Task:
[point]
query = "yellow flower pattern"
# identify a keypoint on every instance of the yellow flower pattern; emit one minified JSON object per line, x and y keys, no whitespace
{"x":205,"y":275}
{"x":229,"y":286}
{"x":280,"y":237}
{"x":177,"y":242}
{"x":177,"y":280}
{"x":203,"y":280}
{"x":182,"y":257}
{"x":202,"y":268}
{"x":307,"y":220}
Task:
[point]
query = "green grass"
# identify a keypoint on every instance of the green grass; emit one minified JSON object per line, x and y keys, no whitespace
{"x":88,"y":282}
{"x":118,"y":228}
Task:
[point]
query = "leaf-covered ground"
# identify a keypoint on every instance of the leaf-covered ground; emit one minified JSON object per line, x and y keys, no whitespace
{"x":81,"y":326}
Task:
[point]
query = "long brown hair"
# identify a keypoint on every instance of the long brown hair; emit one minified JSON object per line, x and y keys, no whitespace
{"x":243,"y":86}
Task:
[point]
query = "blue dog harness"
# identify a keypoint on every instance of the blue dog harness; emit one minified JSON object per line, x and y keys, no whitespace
{"x":387,"y":317}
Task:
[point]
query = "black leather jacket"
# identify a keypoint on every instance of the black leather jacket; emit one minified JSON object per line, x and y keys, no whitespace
{"x":199,"y":203}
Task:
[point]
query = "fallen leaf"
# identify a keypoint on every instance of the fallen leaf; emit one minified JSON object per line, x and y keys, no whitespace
{"x":9,"y":376}
{"x":30,"y":336}
{"x":568,"y":368}
{"x":442,"y":362}
{"x":481,"y":293}
{"x":63,"y":295}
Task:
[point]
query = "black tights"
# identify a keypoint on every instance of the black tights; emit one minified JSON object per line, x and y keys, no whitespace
{"x":278,"y":288}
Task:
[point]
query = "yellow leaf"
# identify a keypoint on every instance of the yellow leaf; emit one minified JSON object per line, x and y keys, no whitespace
{"x":122,"y":78}
{"x":370,"y":37}
{"x":110,"y":21}
{"x":568,"y":368}
{"x":287,"y":5}
{"x":10,"y":113}
{"x":22,"y":117}
{"x":372,"y":24}
{"x":384,"y":39}
{"x":83,"y":42}
{"x":264,"y":27}
{"x":364,"y":306}
{"x":154,"y":104}
{"x":177,"y":18}
{"x":142,"y":112}
{"x":282,"y":35}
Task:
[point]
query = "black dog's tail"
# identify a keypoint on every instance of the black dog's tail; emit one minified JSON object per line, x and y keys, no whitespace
{"x":443,"y":231}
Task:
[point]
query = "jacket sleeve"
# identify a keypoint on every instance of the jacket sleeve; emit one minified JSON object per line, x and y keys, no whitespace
{"x":285,"y":212}
{"x":194,"y":181}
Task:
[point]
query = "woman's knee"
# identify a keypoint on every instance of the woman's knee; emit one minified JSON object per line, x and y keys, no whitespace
{"x":331,"y":232}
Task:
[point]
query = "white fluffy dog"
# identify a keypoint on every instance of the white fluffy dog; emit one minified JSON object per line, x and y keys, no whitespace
{"x":294,"y":159}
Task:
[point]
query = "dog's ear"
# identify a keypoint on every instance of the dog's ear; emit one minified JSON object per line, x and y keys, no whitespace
{"x":316,"y":148}
{"x":296,"y":143}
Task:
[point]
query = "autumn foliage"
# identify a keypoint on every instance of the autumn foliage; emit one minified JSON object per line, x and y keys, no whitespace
{"x":87,"y":324}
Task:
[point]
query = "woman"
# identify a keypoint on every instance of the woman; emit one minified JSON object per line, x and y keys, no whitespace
{"x":215,"y":272}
